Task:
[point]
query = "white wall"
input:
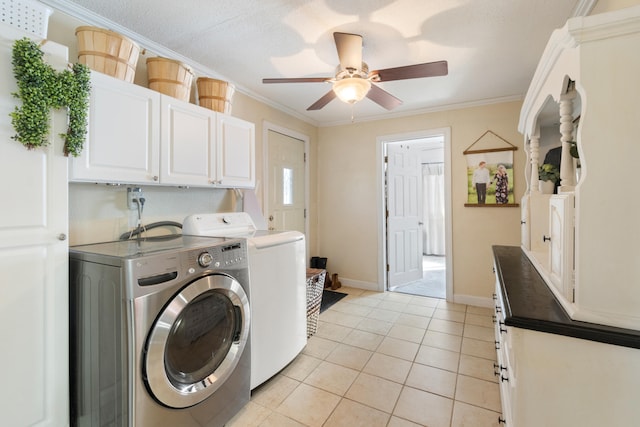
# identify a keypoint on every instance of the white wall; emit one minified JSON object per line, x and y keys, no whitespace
{"x":99,"y":212}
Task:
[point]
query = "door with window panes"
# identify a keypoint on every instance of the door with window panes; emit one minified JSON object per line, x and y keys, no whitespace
{"x":286,"y":209}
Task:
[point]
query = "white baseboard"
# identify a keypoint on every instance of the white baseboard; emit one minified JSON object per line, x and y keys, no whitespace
{"x":359,"y":284}
{"x":473,"y":300}
{"x":458,"y":299}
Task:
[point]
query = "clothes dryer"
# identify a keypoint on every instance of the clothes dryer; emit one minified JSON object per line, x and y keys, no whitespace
{"x":277,"y":269}
{"x":159,"y":332}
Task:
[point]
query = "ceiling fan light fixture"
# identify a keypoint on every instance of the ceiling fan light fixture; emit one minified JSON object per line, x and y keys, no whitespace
{"x":352,"y":89}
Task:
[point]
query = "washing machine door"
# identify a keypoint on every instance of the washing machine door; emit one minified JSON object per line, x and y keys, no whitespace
{"x":196,"y":341}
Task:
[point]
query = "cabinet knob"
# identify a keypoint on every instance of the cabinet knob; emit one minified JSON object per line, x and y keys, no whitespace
{"x":155,"y":178}
{"x":497,"y":343}
{"x":523,"y":222}
{"x":502,"y":420}
{"x":546,"y":239}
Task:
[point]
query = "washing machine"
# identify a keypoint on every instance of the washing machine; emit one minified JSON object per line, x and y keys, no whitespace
{"x":277,"y":270}
{"x":159,"y":332}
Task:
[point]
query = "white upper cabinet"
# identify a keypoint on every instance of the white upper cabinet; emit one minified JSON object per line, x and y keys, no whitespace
{"x":586,"y":89}
{"x":187,"y":144}
{"x":139,"y":136}
{"x":236,"y":152}
{"x":123,"y":136}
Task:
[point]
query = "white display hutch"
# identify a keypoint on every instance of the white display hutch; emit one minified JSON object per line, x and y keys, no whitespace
{"x":567,"y":311}
{"x":584,"y":240}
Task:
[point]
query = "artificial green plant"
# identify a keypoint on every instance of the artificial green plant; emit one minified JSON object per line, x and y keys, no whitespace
{"x":42,"y":88}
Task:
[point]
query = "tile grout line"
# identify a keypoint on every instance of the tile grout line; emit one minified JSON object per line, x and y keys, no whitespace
{"x":360,"y":371}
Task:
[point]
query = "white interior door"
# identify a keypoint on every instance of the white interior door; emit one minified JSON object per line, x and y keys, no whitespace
{"x":404,"y":239}
{"x":286,"y":195}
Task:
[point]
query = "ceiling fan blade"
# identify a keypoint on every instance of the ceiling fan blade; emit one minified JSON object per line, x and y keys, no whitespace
{"x":327,"y":98}
{"x":298,"y":80}
{"x":383,"y":98}
{"x":349,"y":48}
{"x":429,"y":69}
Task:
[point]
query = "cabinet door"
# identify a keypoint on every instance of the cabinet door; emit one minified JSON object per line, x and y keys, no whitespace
{"x":188,"y":150}
{"x":34,"y":263}
{"x":525,"y":228}
{"x":236,"y":152}
{"x":123,"y":138}
{"x":561,"y":247}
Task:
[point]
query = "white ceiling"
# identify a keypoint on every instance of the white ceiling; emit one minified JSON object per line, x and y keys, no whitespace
{"x":492,"y":46}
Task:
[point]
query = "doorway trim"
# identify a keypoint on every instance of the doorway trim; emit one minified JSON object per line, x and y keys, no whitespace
{"x":268,"y":126}
{"x":381,"y":141}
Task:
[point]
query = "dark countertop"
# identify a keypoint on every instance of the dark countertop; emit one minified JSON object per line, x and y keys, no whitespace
{"x":530,"y":304}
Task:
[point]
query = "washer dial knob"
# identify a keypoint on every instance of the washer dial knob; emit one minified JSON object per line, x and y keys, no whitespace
{"x":205,"y":259}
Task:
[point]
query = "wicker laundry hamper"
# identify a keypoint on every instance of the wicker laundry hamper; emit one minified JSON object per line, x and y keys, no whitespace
{"x":315,"y":286}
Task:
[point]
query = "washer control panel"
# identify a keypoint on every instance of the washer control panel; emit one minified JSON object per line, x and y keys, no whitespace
{"x":231,"y":254}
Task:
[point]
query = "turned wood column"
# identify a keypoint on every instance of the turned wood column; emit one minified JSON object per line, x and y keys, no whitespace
{"x":567,"y":173}
{"x":534,"y":147}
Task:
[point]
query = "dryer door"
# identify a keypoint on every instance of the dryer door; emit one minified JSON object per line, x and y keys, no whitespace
{"x":196,"y":341}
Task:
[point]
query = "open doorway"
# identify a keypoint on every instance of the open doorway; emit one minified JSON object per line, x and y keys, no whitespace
{"x":416,"y":213}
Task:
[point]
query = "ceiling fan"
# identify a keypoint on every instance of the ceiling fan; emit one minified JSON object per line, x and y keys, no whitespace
{"x":353,"y":80}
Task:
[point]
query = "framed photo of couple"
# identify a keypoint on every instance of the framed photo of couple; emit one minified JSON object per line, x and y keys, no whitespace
{"x":490,"y":173}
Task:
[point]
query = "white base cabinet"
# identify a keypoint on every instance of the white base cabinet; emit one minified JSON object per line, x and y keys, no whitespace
{"x":554,"y":371}
{"x":34,"y":304}
{"x":139,"y":136}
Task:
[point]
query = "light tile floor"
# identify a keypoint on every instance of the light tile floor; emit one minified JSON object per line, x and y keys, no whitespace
{"x":433,"y":282}
{"x":386,"y":359}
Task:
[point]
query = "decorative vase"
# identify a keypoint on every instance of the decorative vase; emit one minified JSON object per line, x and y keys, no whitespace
{"x":546,"y":187}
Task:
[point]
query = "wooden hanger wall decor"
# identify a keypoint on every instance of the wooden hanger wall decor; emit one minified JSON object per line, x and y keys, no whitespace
{"x":490,"y":172}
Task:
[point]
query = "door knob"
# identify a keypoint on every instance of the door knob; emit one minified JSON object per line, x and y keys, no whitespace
{"x":270,"y":217}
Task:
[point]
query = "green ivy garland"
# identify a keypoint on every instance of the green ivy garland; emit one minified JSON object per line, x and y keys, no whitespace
{"x":42,"y":88}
